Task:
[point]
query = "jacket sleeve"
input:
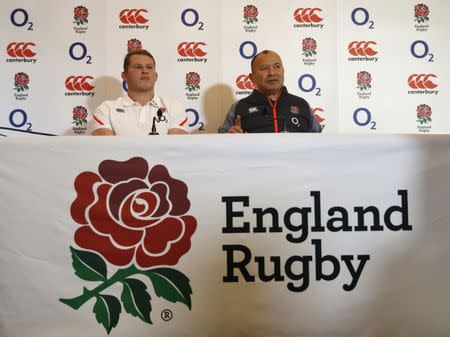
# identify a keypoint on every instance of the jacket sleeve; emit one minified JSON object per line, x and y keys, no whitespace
{"x":314,"y":124}
{"x":229,"y":119}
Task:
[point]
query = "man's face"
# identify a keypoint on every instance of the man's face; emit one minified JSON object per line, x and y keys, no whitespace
{"x":141,"y":74}
{"x":268,"y":73}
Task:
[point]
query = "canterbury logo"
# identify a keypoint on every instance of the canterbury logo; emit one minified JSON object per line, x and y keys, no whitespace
{"x":421,"y":81}
{"x":307,"y":15}
{"x":191,"y":49}
{"x":79,"y":83}
{"x":362,"y":48}
{"x":243,"y":82}
{"x":20,"y":49}
{"x":133,"y":16}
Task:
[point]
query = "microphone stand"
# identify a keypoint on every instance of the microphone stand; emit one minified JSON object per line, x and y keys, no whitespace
{"x":153,"y":132}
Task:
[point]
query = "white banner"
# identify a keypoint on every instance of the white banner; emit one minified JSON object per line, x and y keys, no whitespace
{"x":247,"y":235}
{"x":376,"y":67}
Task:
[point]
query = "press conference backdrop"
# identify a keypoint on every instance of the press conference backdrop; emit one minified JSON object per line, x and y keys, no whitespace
{"x":365,"y":67}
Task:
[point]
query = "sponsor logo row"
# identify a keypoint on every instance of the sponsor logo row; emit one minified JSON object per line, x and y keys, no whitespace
{"x":81,"y":85}
{"x":303,"y":17}
{"x":195,"y":51}
{"x":362,"y":117}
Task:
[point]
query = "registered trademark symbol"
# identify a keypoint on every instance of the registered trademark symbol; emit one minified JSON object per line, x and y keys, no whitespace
{"x":166,"y":315}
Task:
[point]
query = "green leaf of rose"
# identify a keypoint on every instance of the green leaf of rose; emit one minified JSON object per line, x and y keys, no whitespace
{"x":171,"y":285}
{"x":107,"y":311}
{"x":88,"y":266}
{"x":135,"y":299}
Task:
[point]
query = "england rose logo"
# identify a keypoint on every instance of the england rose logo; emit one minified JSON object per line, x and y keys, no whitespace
{"x":421,"y":13}
{"x":80,"y":15}
{"x":250,"y":14}
{"x":134,"y":45}
{"x":21,"y":81}
{"x":134,"y":220}
{"x":363,"y":80}
{"x":309,"y":46}
{"x":423,"y":114}
{"x":79,"y":115}
{"x":192,"y":81}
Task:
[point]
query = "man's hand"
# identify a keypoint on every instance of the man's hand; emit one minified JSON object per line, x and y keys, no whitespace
{"x":103,"y":132}
{"x":236,"y":128}
{"x":176,"y":131}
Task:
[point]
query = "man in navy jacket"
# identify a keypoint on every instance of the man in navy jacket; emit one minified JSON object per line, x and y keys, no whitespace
{"x":270,"y":108}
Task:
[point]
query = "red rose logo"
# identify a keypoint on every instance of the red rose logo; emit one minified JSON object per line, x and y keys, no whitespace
{"x":250,"y":11}
{"x":309,"y":47}
{"x":137,"y":218}
{"x":421,"y":10}
{"x":250,"y":14}
{"x":423,"y":114}
{"x":309,"y":44}
{"x":21,"y":81}
{"x":421,"y":13}
{"x":134,"y":45}
{"x":80,"y":14}
{"x":79,"y":115}
{"x":192,"y":81}
{"x":423,"y":110}
{"x":363,"y":79}
{"x":192,"y":78}
{"x":129,"y":213}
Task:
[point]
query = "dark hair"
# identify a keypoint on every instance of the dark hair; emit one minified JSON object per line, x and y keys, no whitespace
{"x":256,"y":56}
{"x":126,"y":60}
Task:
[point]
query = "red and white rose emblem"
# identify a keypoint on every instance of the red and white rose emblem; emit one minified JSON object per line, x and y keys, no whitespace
{"x":309,"y":46}
{"x":135,"y":218}
{"x":134,"y":45}
{"x":363,"y":80}
{"x":421,"y":13}
{"x":129,"y":213}
{"x":80,"y":15}
{"x":21,"y":81}
{"x":192,"y":81}
{"x":79,"y":115}
{"x":423,"y":114}
{"x":250,"y":14}
{"x":421,"y":10}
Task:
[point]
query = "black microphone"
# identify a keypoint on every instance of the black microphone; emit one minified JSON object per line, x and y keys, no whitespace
{"x":159,"y":113}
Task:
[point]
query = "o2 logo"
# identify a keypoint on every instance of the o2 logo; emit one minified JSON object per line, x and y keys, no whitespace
{"x":191,"y":18}
{"x":19,"y":18}
{"x":308,"y":83}
{"x":78,"y":51}
{"x":248,"y":50}
{"x":361,"y":17}
{"x":363,"y":117}
{"x":196,"y":119}
{"x":18,"y":118}
{"x":420,"y":50}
